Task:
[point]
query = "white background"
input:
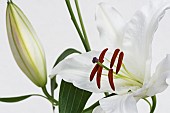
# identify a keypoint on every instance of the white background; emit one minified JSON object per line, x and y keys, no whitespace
{"x":52,"y":23}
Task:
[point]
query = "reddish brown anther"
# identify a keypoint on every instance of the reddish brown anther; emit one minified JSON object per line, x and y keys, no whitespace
{"x":101,"y":57}
{"x":114,"y":57}
{"x":98,"y":69}
{"x":119,"y":64}
{"x":110,"y":77}
{"x":98,"y":78}
{"x":93,"y":72}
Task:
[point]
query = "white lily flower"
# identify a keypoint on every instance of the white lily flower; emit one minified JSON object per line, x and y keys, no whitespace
{"x":25,"y":46}
{"x":130,"y":79}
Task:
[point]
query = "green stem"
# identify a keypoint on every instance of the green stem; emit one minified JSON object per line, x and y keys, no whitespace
{"x":44,"y":97}
{"x":40,"y":96}
{"x":91,"y":107}
{"x":49,"y":96}
{"x":148,"y":103}
{"x":82,"y":24}
{"x":153,"y":104}
{"x":76,"y":25}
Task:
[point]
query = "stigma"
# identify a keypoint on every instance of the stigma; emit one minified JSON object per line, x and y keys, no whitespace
{"x":97,"y":70}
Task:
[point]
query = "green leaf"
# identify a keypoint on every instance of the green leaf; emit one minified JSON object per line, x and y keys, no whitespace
{"x":15,"y":99}
{"x":54,"y":85}
{"x":66,"y":53}
{"x":72,"y":99}
{"x":89,"y":111}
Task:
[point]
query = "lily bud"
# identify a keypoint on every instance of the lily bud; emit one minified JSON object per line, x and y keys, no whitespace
{"x":25,"y":46}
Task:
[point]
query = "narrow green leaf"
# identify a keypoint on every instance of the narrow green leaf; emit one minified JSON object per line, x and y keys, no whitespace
{"x":72,"y":99}
{"x":14,"y":99}
{"x":54,"y":85}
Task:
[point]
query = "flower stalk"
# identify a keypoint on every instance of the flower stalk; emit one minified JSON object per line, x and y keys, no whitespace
{"x":82,"y":24}
{"x":153,"y":104}
{"x":50,"y":98}
{"x":150,"y":106}
{"x":84,"y":41}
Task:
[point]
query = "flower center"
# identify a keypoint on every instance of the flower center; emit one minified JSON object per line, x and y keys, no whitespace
{"x":99,"y":67}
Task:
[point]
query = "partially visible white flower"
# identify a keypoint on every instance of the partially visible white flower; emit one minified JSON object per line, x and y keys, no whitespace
{"x":98,"y":109}
{"x":132,"y":42}
{"x":25,"y":46}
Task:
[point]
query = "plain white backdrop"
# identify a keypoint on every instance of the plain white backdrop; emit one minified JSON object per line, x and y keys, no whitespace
{"x":53,"y":25}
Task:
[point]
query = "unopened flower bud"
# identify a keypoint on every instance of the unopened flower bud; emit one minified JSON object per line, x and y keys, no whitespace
{"x":25,"y":46}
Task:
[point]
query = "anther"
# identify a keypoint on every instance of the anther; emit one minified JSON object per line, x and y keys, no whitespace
{"x":98,"y":78}
{"x":101,"y":57}
{"x":98,"y":69}
{"x":93,"y":72}
{"x":121,"y":55}
{"x":110,"y":77}
{"x":114,"y":57}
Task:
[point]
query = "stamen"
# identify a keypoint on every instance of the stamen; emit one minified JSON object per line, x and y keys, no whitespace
{"x":98,"y":78}
{"x":98,"y":68}
{"x":110,"y":76}
{"x":93,"y":72}
{"x":121,"y":55}
{"x":114,"y":57}
{"x":101,"y":57}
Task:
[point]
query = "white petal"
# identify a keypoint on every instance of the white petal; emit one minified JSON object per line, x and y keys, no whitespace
{"x":158,"y":81}
{"x":119,"y":104}
{"x":98,"y":109}
{"x":110,"y":25}
{"x":139,"y":34}
{"x":77,"y":71}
